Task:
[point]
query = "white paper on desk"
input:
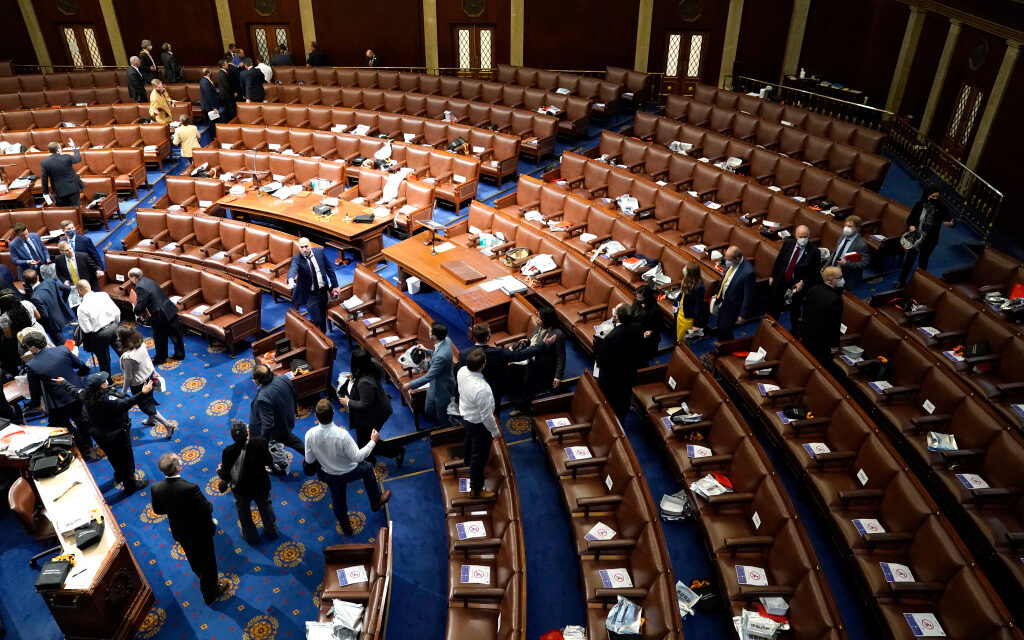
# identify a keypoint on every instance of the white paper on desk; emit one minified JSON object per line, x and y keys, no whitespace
{"x":352,"y":575}
{"x":600,"y":531}
{"x":587,"y":237}
{"x":71,"y":522}
{"x":755,"y":576}
{"x":444,"y":246}
{"x":491,"y":285}
{"x":175,"y":299}
{"x":896,"y":572}
{"x":354,"y":301}
{"x":615,"y":578}
{"x":200,"y":310}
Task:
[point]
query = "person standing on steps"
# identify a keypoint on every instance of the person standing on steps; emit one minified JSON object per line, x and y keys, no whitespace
{"x":137,"y":369}
{"x":59,"y":178}
{"x":249,"y":482}
{"x":311,"y":278}
{"x":928,"y":216}
{"x":439,"y":376}
{"x":476,"y":407}
{"x":111,"y":424}
{"x":369,"y":406}
{"x":332,"y":455}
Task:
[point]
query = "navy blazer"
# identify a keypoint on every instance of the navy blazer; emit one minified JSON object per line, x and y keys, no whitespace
{"x":22,"y":257}
{"x":50,"y":297}
{"x":150,"y":297}
{"x":439,"y":375}
{"x":254,"y":85}
{"x":58,"y":173}
{"x":299,"y":271}
{"x":7,"y":280}
{"x":188,"y":511}
{"x":50,"y":363}
{"x":82,"y":244}
{"x":739,"y":297}
{"x":225,"y":88}
{"x":272,"y":411}
{"x":496,"y":367}
{"x":208,"y":98}
{"x":85,"y":266}
{"x":136,"y":84}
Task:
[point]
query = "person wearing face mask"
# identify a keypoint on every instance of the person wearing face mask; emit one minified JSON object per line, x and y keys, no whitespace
{"x":852,"y":254}
{"x":735,"y":299}
{"x":795,"y":267}
{"x":146,"y":63}
{"x":80,"y":243}
{"x":618,"y":357}
{"x":928,"y":216}
{"x":309,"y":276}
{"x":160,"y":103}
{"x":823,"y":313}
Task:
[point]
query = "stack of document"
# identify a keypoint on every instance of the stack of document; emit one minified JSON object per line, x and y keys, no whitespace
{"x":352,"y":302}
{"x":511,"y":285}
{"x":708,"y":486}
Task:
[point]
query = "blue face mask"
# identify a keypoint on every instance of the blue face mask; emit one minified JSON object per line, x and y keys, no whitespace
{"x":70,"y":234}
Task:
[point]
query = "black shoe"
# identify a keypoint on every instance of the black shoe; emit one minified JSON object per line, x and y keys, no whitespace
{"x":137,"y":486}
{"x":159,"y":361}
{"x":384,"y":497}
{"x":178,"y":356}
{"x":223,"y":586}
{"x":400,"y":458}
{"x":347,"y":531}
{"x":272,"y":535}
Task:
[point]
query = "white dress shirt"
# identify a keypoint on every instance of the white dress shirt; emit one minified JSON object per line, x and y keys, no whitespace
{"x":334,"y":449}
{"x":96,"y":311}
{"x":268,"y":72}
{"x":476,"y":400}
{"x":320,"y":281}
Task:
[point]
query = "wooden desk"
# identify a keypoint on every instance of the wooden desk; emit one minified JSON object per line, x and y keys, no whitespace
{"x":298,"y":210}
{"x":413,"y":257}
{"x":17,"y":199}
{"x":105,"y":594}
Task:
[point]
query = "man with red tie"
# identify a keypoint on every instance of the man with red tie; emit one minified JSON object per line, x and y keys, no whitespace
{"x":311,"y":277}
{"x":796,"y":267}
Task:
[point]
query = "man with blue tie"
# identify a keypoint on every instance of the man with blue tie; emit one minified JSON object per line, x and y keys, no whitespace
{"x":308,"y":277}
{"x":852,"y":253}
{"x":736,"y":295}
{"x":80,"y":243}
{"x":27,"y":250}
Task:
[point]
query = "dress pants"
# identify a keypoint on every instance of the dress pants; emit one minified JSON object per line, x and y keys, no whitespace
{"x":316,"y":308}
{"x":70,"y":200}
{"x":477,"y":450}
{"x":288,"y":439}
{"x":101,"y":342}
{"x":202,"y":557}
{"x":618,"y":394}
{"x":162,"y":330}
{"x":73,"y":412}
{"x":338,"y":486}
{"x":777,"y":305}
{"x":118,"y":447}
{"x":266,"y":509}
{"x":924,"y":250}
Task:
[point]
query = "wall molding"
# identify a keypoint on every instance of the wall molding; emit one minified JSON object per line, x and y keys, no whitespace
{"x":966,"y":18}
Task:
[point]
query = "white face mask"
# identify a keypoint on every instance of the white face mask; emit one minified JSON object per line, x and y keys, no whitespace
{"x":847,"y":231}
{"x":840,"y":283}
{"x":802,"y":242}
{"x":729,"y":264}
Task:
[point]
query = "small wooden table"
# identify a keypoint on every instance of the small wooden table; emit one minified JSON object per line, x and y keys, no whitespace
{"x":298,"y":210}
{"x":413,"y":257}
{"x":17,"y":199}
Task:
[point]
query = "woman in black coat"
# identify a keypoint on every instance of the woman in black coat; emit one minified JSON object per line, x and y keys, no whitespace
{"x":369,"y":406}
{"x":252,"y":482}
{"x":928,"y":216}
{"x":646,"y":313}
{"x":544,"y":371}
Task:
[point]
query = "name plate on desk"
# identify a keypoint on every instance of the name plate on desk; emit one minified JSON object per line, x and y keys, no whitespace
{"x":462,"y":271}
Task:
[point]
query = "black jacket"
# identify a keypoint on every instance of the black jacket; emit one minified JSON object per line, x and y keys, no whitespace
{"x":823,"y":313}
{"x":317,"y":58}
{"x":618,"y":355}
{"x":281,"y":59}
{"x":150,"y":297}
{"x":254,"y":84}
{"x":498,"y":359}
{"x":368,"y":404}
{"x":225,"y":88}
{"x":136,"y":84}
{"x":188,"y":511}
{"x":50,"y":363}
{"x":208,"y":98}
{"x":235,"y":76}
{"x":85,"y":266}
{"x":254,"y":479}
{"x":147,"y":66}
{"x":272,"y":412}
{"x":58,"y":173}
{"x":939,"y":214}
{"x":807,"y":267}
{"x":172,"y":73}
{"x":110,"y":413}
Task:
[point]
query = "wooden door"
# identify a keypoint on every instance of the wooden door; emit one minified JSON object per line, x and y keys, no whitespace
{"x":81,"y":44}
{"x":684,"y":61}
{"x":265,"y":38}
{"x":474,"y":48}
{"x":964,"y":121}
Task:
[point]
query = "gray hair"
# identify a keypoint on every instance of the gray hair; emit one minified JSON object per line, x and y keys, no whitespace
{"x":134,"y":60}
{"x":135,"y":272}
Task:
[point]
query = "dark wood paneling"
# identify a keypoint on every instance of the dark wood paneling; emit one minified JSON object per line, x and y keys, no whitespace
{"x":193,"y":34}
{"x":712,"y":21}
{"x":50,"y":16}
{"x":855,"y":42}
{"x":960,"y":71}
{"x":763,"y":34}
{"x":1000,"y":164}
{"x":580,"y":34}
{"x":922,"y":71}
{"x":496,"y":12}
{"x":243,"y":14}
{"x":392,"y":28}
{"x":16,"y":45}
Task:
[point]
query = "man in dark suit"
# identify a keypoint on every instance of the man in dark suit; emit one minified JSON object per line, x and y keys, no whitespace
{"x":49,"y":297}
{"x":735,"y":301}
{"x":316,"y":58}
{"x":282,"y":57}
{"x":795,"y":267}
{"x":253,"y":82}
{"x":190,"y":516}
{"x":235,"y":76}
{"x":62,"y":408}
{"x":370,"y":60}
{"x":27,"y":250}
{"x":851,"y":254}
{"x":147,"y":65}
{"x":272,"y":411}
{"x":498,"y":358}
{"x":172,"y":72}
{"x":308,"y":277}
{"x":136,"y":81}
{"x":59,"y":177}
{"x":226,"y":93}
{"x":7,"y":280}
{"x":823,"y":315}
{"x":617,"y":355}
{"x":81,"y":242}
{"x":151,"y":300}
{"x":208,"y":99}
{"x":72,"y":266}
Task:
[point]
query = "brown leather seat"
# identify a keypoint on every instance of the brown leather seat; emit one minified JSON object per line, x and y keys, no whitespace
{"x":308,"y":343}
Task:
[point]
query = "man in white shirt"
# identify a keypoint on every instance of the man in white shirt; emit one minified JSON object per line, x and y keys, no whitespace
{"x":268,"y":72}
{"x":98,"y":317}
{"x":334,"y":457}
{"x":476,"y":406}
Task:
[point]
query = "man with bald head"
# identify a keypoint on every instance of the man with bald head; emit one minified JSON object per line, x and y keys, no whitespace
{"x":796,"y":267}
{"x":59,"y":178}
{"x":823,"y":315}
{"x":735,"y":300}
{"x":310,"y":277}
